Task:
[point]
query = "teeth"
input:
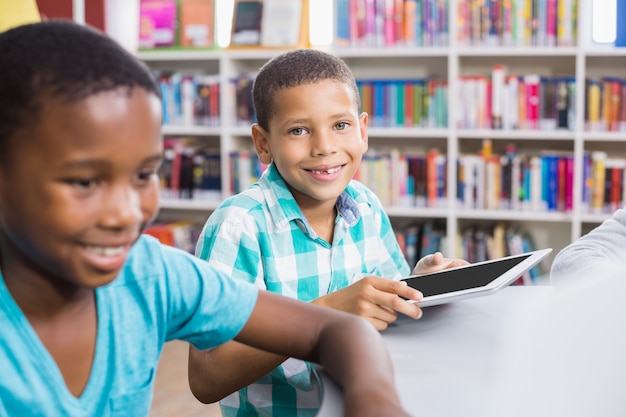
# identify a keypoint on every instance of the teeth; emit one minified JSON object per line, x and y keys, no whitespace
{"x":106,"y":250}
{"x":328,"y":171}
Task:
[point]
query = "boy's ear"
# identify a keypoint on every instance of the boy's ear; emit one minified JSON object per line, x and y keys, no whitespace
{"x":363,"y":118}
{"x":260,"y":139}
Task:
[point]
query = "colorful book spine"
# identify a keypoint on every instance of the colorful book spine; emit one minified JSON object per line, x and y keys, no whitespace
{"x":519,"y":31}
{"x":346,"y":33}
{"x":378,"y":103}
{"x":370,"y":23}
{"x":620,"y":26}
{"x":622,"y":112}
{"x":594,"y":92}
{"x":598,"y":175}
{"x":389,"y":31}
{"x":409,"y":22}
{"x":507,"y":23}
{"x":613,"y":86}
{"x":569,"y":183}
{"x":587,"y":182}
{"x":532,"y":101}
{"x":551,"y":22}
{"x":431,"y":178}
{"x":498,"y":75}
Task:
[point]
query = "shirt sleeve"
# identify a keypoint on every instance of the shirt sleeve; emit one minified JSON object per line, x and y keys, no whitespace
{"x":204,"y":306}
{"x":602,"y":246}
{"x":229,"y":242}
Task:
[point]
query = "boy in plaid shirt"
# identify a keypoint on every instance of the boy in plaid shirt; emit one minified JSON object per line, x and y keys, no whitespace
{"x":305,"y":230}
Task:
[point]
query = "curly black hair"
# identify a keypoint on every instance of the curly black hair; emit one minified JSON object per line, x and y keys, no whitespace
{"x":63,"y":60}
{"x":294,"y":68}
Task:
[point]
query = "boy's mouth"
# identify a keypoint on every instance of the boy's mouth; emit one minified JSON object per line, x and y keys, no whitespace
{"x":106,"y":250}
{"x":327,"y":171}
{"x":106,"y":258}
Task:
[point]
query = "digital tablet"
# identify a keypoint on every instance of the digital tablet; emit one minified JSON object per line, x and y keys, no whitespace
{"x":480,"y":278}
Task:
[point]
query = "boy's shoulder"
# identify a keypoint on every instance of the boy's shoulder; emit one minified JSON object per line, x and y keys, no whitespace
{"x":151,"y":258}
{"x":360,"y":193}
{"x":251,"y":204}
{"x":250,"y":199}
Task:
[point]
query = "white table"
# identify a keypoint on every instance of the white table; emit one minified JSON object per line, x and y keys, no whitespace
{"x":443,"y":361}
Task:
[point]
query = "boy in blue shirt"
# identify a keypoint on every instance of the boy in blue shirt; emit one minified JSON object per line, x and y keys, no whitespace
{"x":86,"y":300}
{"x":305,"y":230}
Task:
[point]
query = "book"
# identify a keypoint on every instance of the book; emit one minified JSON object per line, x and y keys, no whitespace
{"x":551,"y":22}
{"x":569,"y":183}
{"x":566,"y":10}
{"x":412,"y":236}
{"x":345,"y":31}
{"x":389,"y":32}
{"x":207,"y":175}
{"x":358,"y":17}
{"x":157,"y":23}
{"x":246,"y":26}
{"x":550,"y":180}
{"x":536,"y":201}
{"x":593,"y":104}
{"x":562,"y":104}
{"x":409,"y":23}
{"x":506,"y":186}
{"x":614,"y":186}
{"x":587,"y":182}
{"x":498,"y":74}
{"x":493,"y":182}
{"x":532,"y":100}
{"x":197,"y":23}
{"x":613,"y":86}
{"x":370,"y":23}
{"x":18,"y":12}
{"x":430,"y":240}
{"x":547,"y":117}
{"x":621,"y":126}
{"x":432,"y":180}
{"x":598,"y":175}
{"x":620,"y":25}
{"x":284,"y":23}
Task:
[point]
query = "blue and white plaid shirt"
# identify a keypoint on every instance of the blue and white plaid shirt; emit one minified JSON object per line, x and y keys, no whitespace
{"x":261,"y":236}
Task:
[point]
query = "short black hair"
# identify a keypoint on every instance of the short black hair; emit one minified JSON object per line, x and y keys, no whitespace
{"x":64,"y":60}
{"x":294,"y":68}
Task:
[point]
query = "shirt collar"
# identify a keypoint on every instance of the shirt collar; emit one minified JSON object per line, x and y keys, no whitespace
{"x":283,"y":207}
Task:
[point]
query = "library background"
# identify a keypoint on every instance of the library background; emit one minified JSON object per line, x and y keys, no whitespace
{"x":495,"y":126}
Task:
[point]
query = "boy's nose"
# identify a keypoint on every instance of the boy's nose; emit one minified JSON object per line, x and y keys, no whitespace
{"x":322,"y":144}
{"x":122,"y":209}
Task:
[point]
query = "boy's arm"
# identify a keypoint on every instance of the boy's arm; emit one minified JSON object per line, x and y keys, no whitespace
{"x":216,"y":373}
{"x":602,"y":246}
{"x":350,"y":349}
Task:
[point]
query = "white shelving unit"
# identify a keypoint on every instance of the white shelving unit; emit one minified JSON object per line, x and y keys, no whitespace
{"x":553,"y":229}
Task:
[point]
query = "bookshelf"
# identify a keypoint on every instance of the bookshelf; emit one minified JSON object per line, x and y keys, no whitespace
{"x":450,"y":62}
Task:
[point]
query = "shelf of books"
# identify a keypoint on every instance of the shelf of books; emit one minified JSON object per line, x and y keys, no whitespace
{"x":488,"y":120}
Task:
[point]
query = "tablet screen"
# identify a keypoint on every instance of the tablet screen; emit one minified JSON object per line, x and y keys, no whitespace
{"x":471,"y":276}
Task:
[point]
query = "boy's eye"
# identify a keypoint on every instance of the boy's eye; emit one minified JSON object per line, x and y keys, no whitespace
{"x":341,"y":125}
{"x":298,"y":131}
{"x":85,"y":183}
{"x":145,"y":176}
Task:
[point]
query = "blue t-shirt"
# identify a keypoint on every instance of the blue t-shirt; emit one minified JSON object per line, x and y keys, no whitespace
{"x":161,"y":294}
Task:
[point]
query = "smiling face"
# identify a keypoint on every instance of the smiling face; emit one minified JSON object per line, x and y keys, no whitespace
{"x":316,"y":139}
{"x":78,"y":187}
